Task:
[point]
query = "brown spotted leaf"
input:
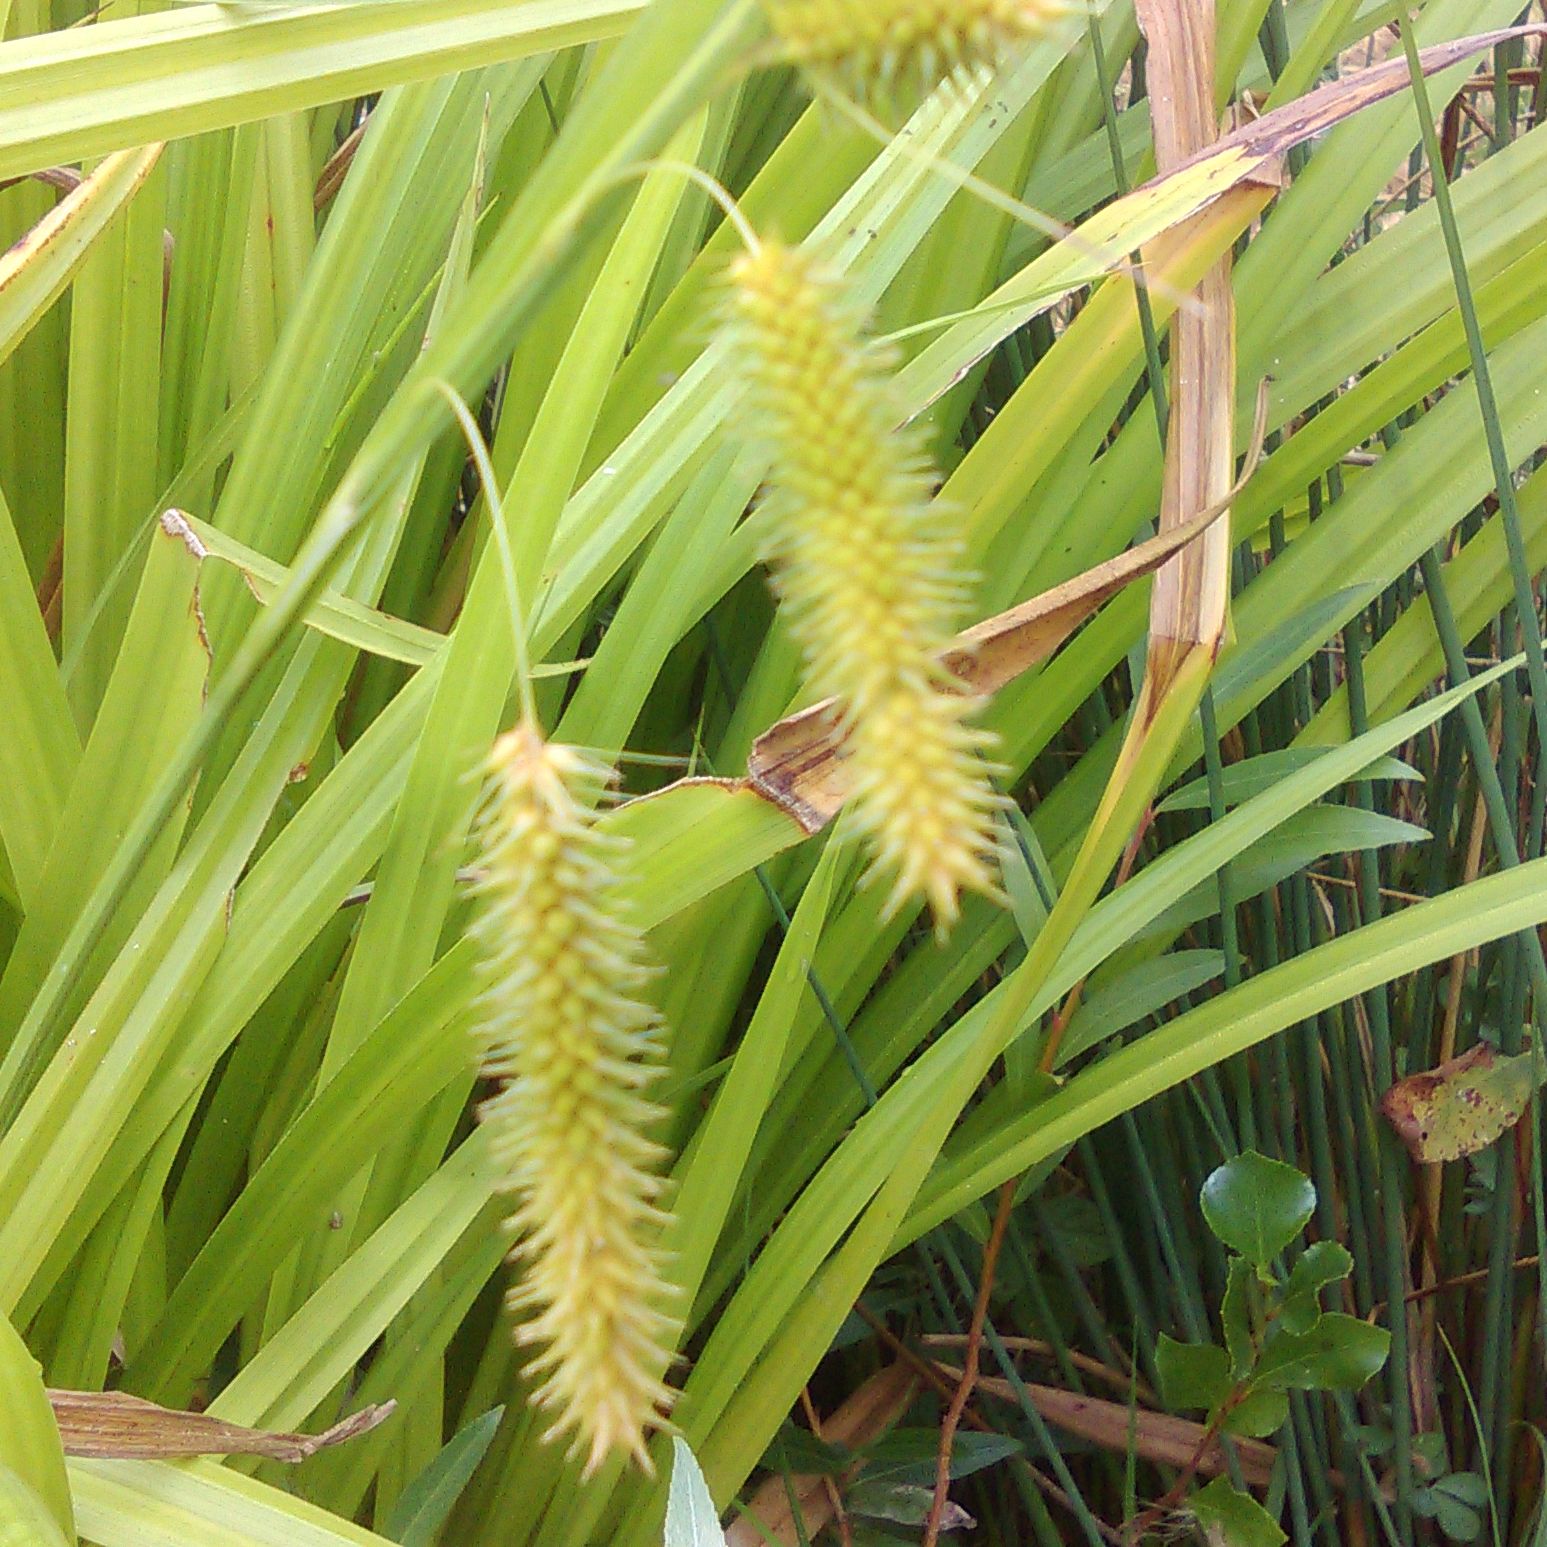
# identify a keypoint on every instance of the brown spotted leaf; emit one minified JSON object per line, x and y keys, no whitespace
{"x":113,"y":1425}
{"x":1462,"y":1106}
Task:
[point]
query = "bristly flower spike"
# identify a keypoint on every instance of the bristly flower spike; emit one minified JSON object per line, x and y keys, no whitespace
{"x":565,"y":1030}
{"x":563,"y":1027}
{"x":875,"y":46}
{"x":866,"y":577}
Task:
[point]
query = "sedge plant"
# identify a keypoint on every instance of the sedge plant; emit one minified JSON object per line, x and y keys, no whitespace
{"x":242,"y":1168}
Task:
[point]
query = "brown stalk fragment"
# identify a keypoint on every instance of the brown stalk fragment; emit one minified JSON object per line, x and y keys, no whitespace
{"x":1160,"y":1438}
{"x":1191,"y":597}
{"x":867,"y":1415}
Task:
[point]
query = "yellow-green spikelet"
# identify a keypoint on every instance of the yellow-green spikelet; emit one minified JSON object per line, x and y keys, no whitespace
{"x":875,"y":45}
{"x":564,"y":1029}
{"x":866,"y":576}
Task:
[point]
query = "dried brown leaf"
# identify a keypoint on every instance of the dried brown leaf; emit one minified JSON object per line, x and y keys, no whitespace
{"x":116,"y":1426}
{"x":798,"y":763}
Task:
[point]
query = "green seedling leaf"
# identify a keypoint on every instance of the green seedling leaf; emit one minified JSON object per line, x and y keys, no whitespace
{"x":1375,"y":1439}
{"x":1286,"y":641}
{"x":423,"y":1506}
{"x":1458,"y":1522}
{"x":1257,"y":1206}
{"x":906,"y":1504}
{"x":118,"y":1503}
{"x":1026,"y":905}
{"x":1456,"y":1503}
{"x":1231,"y":1519}
{"x":909,"y":1455}
{"x":1296,"y":842}
{"x":1340,"y":1353}
{"x":333,"y":614}
{"x":1462,"y":1106}
{"x":1324,"y":1263}
{"x":1192,"y":1374}
{"x":1258,"y":1415}
{"x":266,"y":59}
{"x":1076,"y":1222}
{"x":798,"y":1450}
{"x":1235,"y":1314}
{"x":1466,"y":1488}
{"x":691,"y":1520}
{"x":1428,"y":1450}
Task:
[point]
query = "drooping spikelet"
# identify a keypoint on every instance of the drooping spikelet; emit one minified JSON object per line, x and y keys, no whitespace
{"x":565,"y":1031}
{"x":865,"y":574}
{"x":876,"y":46}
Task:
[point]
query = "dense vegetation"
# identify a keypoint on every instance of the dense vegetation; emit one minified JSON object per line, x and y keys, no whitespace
{"x":414,"y":816}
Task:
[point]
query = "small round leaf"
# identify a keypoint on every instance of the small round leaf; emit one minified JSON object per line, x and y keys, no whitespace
{"x":1231,"y":1519}
{"x":1259,"y":1415}
{"x":1257,"y":1206}
{"x":1340,"y":1353}
{"x":1192,"y":1374}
